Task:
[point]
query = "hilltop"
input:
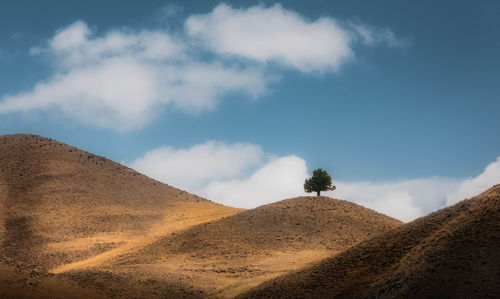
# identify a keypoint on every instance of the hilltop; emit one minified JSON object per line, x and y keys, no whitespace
{"x":452,"y":253}
{"x":292,"y":224}
{"x":240,"y":251}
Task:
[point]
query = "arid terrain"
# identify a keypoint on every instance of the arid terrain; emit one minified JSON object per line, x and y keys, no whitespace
{"x":452,"y":253}
{"x":76,"y":225}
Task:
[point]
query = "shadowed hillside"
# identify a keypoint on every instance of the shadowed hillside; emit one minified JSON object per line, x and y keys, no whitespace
{"x":60,"y":204}
{"x":452,"y":253}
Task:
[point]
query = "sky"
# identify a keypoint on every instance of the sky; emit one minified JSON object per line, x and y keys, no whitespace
{"x":239,"y":101}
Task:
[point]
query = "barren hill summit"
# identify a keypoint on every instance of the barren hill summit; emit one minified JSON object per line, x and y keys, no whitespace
{"x":239,"y":251}
{"x":292,"y":224}
{"x":60,"y":204}
{"x":451,"y":253}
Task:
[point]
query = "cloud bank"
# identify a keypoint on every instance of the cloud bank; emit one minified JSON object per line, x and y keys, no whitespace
{"x":239,"y":174}
{"x":278,"y":179}
{"x":120,"y":80}
{"x":401,"y":199}
{"x":123,"y":79}
{"x":243,"y":175}
{"x":195,"y":167}
{"x":273,"y":33}
{"x":473,"y":186}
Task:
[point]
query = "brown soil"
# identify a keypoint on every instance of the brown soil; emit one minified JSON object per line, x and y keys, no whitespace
{"x":452,"y":253}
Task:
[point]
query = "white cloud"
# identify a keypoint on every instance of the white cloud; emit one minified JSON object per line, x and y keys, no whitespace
{"x":123,"y":78}
{"x":473,"y":186}
{"x":104,"y":95}
{"x":409,"y":199}
{"x":401,"y":199}
{"x":120,"y":80}
{"x":243,"y":175}
{"x":274,"y":34}
{"x":239,"y":174}
{"x":278,"y":179}
{"x":195,"y":167}
{"x":76,"y":46}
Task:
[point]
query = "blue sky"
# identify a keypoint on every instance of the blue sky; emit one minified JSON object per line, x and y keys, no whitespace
{"x":389,"y":97}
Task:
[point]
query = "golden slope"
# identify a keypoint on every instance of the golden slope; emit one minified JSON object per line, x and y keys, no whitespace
{"x":233,"y":254}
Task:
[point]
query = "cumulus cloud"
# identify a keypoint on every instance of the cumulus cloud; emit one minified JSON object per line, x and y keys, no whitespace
{"x":278,"y":179}
{"x":76,"y":46}
{"x":122,"y":78}
{"x":273,"y":34}
{"x":195,"y":167}
{"x":409,"y":199}
{"x":239,"y":174}
{"x":119,"y":80}
{"x":243,"y":175}
{"x":401,"y":199}
{"x":473,"y":186}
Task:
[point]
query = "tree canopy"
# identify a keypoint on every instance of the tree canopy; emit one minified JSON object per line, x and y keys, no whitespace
{"x":320,"y":181}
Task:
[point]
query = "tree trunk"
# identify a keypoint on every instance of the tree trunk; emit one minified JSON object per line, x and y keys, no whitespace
{"x":317,"y":193}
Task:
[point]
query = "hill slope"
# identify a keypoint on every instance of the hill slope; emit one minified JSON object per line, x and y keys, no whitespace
{"x":240,"y":251}
{"x":60,"y":204}
{"x":452,"y":253}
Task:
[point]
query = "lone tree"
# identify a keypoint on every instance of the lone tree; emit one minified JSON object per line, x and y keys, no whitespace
{"x":320,"y":181}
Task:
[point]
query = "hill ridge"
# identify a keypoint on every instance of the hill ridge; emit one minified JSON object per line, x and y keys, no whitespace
{"x":109,"y":231}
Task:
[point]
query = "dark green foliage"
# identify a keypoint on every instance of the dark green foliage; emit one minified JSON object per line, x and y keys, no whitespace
{"x":320,"y":181}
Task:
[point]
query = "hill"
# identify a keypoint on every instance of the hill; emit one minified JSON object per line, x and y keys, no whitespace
{"x":452,"y":253}
{"x":292,"y":224}
{"x":60,"y":204}
{"x":237,"y":252}
{"x":73,"y":224}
